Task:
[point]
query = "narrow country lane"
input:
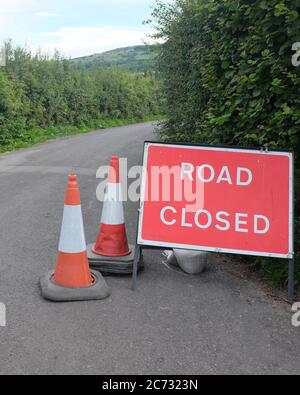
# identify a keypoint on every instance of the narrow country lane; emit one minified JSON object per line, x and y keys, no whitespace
{"x":172,"y":324}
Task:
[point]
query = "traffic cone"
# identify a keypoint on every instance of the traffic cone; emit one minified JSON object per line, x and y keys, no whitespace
{"x":112,"y":238}
{"x":111,"y":252}
{"x":72,"y":278}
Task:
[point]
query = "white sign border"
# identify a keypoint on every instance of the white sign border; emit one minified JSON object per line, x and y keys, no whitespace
{"x":151,"y":243}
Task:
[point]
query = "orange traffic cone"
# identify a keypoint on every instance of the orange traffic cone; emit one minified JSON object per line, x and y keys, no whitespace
{"x":112,"y":238}
{"x":72,"y":268}
{"x":72,"y":279}
{"x":111,"y":252}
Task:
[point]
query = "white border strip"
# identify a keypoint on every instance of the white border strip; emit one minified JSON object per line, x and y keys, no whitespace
{"x":152,"y":243}
{"x":113,"y":212}
{"x":72,"y":237}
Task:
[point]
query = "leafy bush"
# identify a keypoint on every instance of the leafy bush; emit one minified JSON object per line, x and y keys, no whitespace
{"x":229,"y":78}
{"x":37,"y":92}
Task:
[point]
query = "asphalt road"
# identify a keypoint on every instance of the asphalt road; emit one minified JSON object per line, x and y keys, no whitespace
{"x":217,"y":323}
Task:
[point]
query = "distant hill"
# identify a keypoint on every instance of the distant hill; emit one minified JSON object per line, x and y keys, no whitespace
{"x":137,"y":59}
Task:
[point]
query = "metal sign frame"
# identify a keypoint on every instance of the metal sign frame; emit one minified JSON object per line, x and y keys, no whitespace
{"x":141,"y":244}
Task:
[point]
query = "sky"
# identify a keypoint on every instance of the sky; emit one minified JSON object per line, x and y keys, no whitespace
{"x":75,"y":27}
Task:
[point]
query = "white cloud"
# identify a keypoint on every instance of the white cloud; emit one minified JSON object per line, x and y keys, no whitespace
{"x":45,"y":14}
{"x":80,"y":41}
{"x":15,"y":5}
{"x":10,"y":9}
{"x":19,"y":20}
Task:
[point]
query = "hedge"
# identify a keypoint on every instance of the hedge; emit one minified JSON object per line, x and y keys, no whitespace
{"x":229,"y":78}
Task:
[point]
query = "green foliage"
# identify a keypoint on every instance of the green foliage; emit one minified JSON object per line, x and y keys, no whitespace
{"x":13,"y":108}
{"x":137,"y":59}
{"x":39,"y":95}
{"x":229,"y":78}
{"x":40,"y":135}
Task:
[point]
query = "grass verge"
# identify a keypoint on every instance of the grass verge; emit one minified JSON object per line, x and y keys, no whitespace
{"x":39,"y":135}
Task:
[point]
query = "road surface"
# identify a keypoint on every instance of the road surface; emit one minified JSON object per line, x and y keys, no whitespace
{"x":173,"y":324}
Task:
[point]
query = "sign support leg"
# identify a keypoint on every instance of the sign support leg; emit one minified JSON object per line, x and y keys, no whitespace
{"x":137,"y":258}
{"x":292,"y":261}
{"x":291,"y":280}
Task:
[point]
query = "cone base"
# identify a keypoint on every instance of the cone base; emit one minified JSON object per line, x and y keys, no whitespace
{"x":55,"y":293}
{"x":113,"y":265}
{"x":92,"y":255}
{"x":103,"y":254}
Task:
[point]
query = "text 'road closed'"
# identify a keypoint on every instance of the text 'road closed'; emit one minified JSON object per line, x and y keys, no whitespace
{"x":217,"y":199}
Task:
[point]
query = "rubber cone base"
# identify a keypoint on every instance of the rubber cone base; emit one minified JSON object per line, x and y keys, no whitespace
{"x":55,"y":293}
{"x":112,"y":265}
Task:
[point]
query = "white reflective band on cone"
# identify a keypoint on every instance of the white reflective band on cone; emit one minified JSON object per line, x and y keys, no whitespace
{"x":72,"y":238}
{"x":113,"y":213}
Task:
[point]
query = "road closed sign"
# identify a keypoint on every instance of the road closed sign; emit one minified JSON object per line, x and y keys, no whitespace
{"x":217,"y":199}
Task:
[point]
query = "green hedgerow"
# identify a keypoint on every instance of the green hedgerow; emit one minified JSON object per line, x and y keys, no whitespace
{"x":229,"y":78}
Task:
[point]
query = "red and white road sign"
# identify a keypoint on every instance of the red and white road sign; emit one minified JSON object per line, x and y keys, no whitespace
{"x":217,"y":199}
